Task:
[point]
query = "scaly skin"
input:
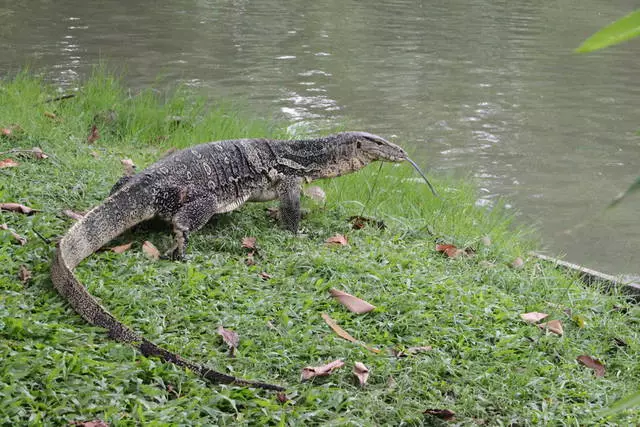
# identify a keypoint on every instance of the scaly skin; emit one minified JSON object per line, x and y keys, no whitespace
{"x":186,"y":189}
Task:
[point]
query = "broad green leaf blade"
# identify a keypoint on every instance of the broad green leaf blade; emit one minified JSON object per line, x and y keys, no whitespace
{"x":622,"y":405}
{"x":632,"y":188}
{"x":621,"y":30}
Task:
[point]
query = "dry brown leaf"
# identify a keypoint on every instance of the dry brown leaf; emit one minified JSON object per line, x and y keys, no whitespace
{"x":5,"y":131}
{"x":595,"y":364}
{"x":129,"y":167}
{"x":94,"y":135}
{"x":121,"y":248}
{"x":533,"y":317}
{"x":73,"y":214}
{"x":320,"y":371}
{"x":315,"y":193}
{"x":50,"y":115}
{"x":264,"y":275}
{"x":17,"y":207}
{"x":554,"y":326}
{"x":344,"y":334}
{"x":338,"y":239}
{"x":250,"y":260}
{"x":150,"y":250}
{"x":92,"y":423}
{"x":19,"y":238}
{"x":230,"y":338}
{"x":282,"y":397}
{"x":24,"y":274}
{"x":249,"y":242}
{"x":443,"y":414}
{"x":361,"y":372}
{"x":358,"y":222}
{"x":517,"y":263}
{"x":353,"y":304}
{"x":8,"y":163}
{"x":451,"y":251}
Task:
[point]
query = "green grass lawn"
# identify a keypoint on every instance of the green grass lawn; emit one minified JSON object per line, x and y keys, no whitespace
{"x":486,"y":364}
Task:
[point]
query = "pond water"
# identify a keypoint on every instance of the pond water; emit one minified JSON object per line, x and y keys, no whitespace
{"x":483,"y":89}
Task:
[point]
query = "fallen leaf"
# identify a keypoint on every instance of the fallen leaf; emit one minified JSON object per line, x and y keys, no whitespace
{"x":451,"y":251}
{"x":361,"y":372}
{"x":338,"y":239}
{"x":443,"y":414}
{"x":38,"y":153}
{"x":533,"y":317}
{"x":250,"y":260}
{"x":344,"y":334}
{"x":121,"y":248}
{"x":150,"y":250}
{"x":24,"y":274}
{"x":50,"y":115}
{"x":129,"y":167}
{"x":353,"y":304}
{"x":230,"y":338}
{"x":16,"y":207}
{"x":93,"y":423}
{"x":249,"y":242}
{"x":320,"y":371}
{"x":359,"y":222}
{"x":517,"y":263}
{"x":5,"y":132}
{"x":93,"y":135}
{"x":8,"y":163}
{"x":15,"y":235}
{"x":73,"y":215}
{"x":282,"y":397}
{"x":315,"y":193}
{"x":264,"y":275}
{"x":595,"y":364}
{"x":554,"y":326}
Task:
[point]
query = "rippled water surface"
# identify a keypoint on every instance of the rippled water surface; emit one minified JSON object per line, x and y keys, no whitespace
{"x":484,"y":89}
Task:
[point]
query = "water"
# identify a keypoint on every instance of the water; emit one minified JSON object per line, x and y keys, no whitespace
{"x":480,"y":89}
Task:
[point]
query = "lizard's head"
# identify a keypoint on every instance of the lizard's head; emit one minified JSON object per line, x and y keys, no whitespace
{"x":369,"y":147}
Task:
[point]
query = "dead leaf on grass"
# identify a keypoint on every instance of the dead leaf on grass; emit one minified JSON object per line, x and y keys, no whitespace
{"x":150,"y":250}
{"x":121,"y":248}
{"x":517,"y":263}
{"x":249,"y":242}
{"x":129,"y":167}
{"x":338,"y":239}
{"x":452,"y":251}
{"x":533,"y":317}
{"x":320,"y":371}
{"x":24,"y":274}
{"x":17,"y":207}
{"x":282,"y":397}
{"x":50,"y":115}
{"x":73,"y":214}
{"x":264,"y":275}
{"x":230,"y":338}
{"x":93,"y":423}
{"x":8,"y":163}
{"x":359,"y":222}
{"x":344,"y":334}
{"x":554,"y":326}
{"x":353,"y":304}
{"x":595,"y":364}
{"x":94,"y":135}
{"x":361,"y":372}
{"x":443,"y":414}
{"x":19,"y":238}
{"x":315,"y":193}
{"x":250,"y":260}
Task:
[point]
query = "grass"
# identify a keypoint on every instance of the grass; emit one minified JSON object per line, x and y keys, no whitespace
{"x":487,"y":365}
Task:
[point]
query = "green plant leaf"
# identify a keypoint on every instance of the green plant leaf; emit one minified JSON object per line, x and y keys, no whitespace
{"x":621,"y":30}
{"x":623,"y":404}
{"x":632,"y":188}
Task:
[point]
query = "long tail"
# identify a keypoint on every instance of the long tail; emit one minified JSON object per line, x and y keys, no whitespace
{"x":97,"y":228}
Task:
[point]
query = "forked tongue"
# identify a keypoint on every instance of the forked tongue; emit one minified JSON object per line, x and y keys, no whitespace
{"x":433,"y":190}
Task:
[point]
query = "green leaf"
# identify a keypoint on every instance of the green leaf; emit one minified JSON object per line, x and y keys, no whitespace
{"x":632,"y":188}
{"x":623,"y":404}
{"x":621,"y":30}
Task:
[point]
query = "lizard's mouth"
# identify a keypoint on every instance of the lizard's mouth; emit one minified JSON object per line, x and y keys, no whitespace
{"x":416,"y":167}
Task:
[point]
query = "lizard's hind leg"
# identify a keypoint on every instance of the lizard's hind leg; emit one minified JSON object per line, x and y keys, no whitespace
{"x":192,"y":216}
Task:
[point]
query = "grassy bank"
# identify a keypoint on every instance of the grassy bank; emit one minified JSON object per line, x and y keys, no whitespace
{"x":486,"y":364}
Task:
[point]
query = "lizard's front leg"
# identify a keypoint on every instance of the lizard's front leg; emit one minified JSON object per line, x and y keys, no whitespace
{"x":289,"y":194}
